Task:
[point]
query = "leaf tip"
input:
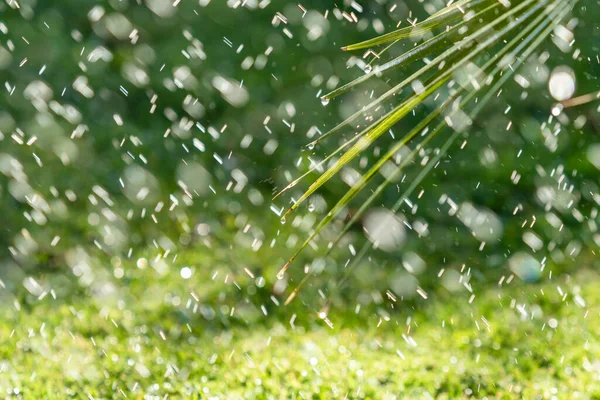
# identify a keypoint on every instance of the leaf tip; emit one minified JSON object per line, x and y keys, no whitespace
{"x":283,"y":269}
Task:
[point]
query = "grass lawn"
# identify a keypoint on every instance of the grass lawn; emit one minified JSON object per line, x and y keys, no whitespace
{"x":155,"y":338}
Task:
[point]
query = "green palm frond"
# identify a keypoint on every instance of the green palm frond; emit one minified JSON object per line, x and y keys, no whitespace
{"x":449,"y":15}
{"x":481,"y":42}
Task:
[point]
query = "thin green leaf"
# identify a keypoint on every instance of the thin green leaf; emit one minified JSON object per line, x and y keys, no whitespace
{"x":425,"y":49}
{"x":442,"y":58}
{"x":521,"y":40}
{"x":538,"y":35}
{"x":401,"y":111}
{"x":539,"y":24}
{"x":333,"y":153}
{"x":362,"y":144}
{"x":366,"y":140}
{"x":419,"y":29}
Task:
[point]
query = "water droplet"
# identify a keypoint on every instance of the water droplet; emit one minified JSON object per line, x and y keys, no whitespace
{"x":280,"y":275}
{"x":324,"y":101}
{"x":557,"y":109}
{"x":311,"y":146}
{"x":283,"y":220}
{"x":562,"y":83}
{"x":368,"y":68}
{"x":186,"y":272}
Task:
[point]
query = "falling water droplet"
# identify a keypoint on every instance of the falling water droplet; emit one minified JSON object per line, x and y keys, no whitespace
{"x":562,"y":83}
{"x":557,"y":109}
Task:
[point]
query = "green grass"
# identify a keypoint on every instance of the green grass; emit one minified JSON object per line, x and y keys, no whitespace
{"x":137,"y":342}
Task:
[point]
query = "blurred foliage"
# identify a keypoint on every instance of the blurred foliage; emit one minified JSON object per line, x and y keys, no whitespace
{"x":134,"y":124}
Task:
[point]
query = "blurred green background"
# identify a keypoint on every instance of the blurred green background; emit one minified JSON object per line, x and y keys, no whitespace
{"x":113,"y":110}
{"x":141,"y":143}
